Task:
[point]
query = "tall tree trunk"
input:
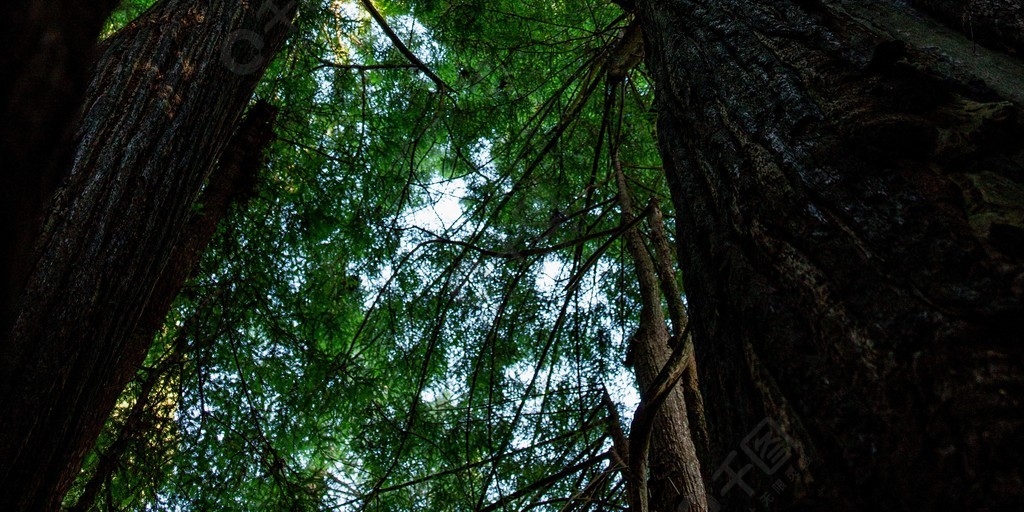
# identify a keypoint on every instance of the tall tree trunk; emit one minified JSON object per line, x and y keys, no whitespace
{"x":164,"y":99}
{"x":850,"y":201}
{"x":232,"y":182}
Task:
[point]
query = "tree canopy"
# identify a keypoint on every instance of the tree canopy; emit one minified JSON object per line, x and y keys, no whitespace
{"x":425,"y":301}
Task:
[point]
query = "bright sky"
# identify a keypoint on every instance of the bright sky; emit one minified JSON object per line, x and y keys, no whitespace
{"x":444,"y":213}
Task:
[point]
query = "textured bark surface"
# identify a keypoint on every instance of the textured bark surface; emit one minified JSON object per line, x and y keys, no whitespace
{"x":674,"y":476}
{"x":852,"y":235}
{"x":164,"y":99}
{"x":47,"y":48}
{"x":232,"y":182}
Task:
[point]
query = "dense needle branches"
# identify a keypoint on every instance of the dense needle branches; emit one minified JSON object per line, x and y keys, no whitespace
{"x":425,"y":300}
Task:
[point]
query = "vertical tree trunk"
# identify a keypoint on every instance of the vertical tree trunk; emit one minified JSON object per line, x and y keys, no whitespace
{"x":164,"y":99}
{"x":671,"y":480}
{"x":850,"y":206}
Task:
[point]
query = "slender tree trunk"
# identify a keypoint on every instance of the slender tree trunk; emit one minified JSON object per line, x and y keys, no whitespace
{"x":164,"y":99}
{"x":671,"y":480}
{"x":850,"y":200}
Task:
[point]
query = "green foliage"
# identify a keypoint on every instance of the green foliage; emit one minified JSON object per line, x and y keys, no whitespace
{"x":345,"y":347}
{"x":124,"y":13}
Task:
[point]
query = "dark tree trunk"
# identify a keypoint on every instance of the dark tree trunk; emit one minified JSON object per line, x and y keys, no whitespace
{"x":47,"y":48}
{"x":164,"y":100}
{"x":850,"y":200}
{"x":232,"y":182}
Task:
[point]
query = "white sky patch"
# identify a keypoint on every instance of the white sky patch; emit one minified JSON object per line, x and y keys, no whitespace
{"x":482,"y":158}
{"x":444,"y":206}
{"x":550,"y":274}
{"x":441,"y":212}
{"x":374,"y":284}
{"x":428,"y":395}
{"x":622,"y":388}
{"x":522,"y":371}
{"x":349,"y":9}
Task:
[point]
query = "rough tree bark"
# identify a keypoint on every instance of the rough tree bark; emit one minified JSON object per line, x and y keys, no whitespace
{"x":849,"y":183}
{"x":164,"y":99}
{"x":48,"y":46}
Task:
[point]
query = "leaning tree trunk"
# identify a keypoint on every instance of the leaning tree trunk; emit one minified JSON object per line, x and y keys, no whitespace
{"x":849,"y":184}
{"x":164,"y":99}
{"x":47,"y":47}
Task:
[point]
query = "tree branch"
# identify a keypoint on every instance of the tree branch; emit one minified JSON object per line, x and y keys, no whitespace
{"x":620,"y":445}
{"x":643,"y":419}
{"x":655,"y":394}
{"x":324,"y":63}
{"x":535,"y":250}
{"x":397,"y":41}
{"x":546,"y":481}
{"x":677,"y":313}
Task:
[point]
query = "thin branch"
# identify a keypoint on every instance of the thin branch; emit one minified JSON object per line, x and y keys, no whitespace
{"x":537,"y":371}
{"x":546,"y":481}
{"x":432,"y":345}
{"x":598,"y":483}
{"x":677,"y":312}
{"x":533,"y":251}
{"x":620,"y":445}
{"x":362,"y":67}
{"x":397,"y":41}
{"x":667,"y":275}
{"x":656,"y":393}
{"x":476,"y":464}
{"x":576,"y":279}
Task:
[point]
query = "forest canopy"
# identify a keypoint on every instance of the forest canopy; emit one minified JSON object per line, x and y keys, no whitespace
{"x":426,"y":296}
{"x":650,"y":255}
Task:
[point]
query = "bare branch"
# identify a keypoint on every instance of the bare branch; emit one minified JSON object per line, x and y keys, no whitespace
{"x":535,"y":250}
{"x":546,"y":481}
{"x":397,"y":41}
